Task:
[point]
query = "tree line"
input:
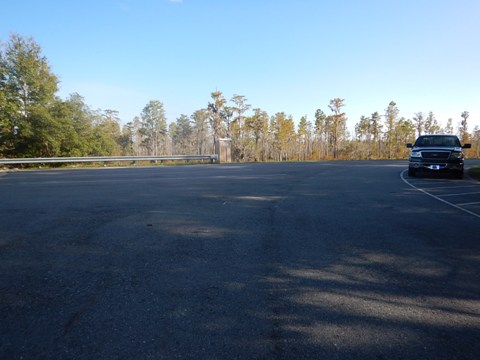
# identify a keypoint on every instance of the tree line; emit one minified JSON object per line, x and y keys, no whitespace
{"x":35,"y":122}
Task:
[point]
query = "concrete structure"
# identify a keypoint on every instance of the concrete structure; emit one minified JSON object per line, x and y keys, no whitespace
{"x":223,"y":148}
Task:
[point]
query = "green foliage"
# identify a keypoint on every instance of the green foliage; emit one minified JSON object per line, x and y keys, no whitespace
{"x":107,"y":135}
{"x":284,"y":136}
{"x":201,"y":131}
{"x":337,"y":124}
{"x":256,"y":131}
{"x":126,"y":140}
{"x":27,"y":89}
{"x":34,"y":123}
{"x":217,"y":113}
{"x":391,"y":116}
{"x":154,"y":127}
{"x":182,"y":133}
{"x":27,"y":74}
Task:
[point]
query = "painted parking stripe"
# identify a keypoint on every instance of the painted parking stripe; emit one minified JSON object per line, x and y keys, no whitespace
{"x":470,"y":203}
{"x":451,"y":187}
{"x":460,"y":194}
{"x":436,"y":197}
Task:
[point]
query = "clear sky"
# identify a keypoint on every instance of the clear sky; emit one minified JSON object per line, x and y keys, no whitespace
{"x":289,"y":56}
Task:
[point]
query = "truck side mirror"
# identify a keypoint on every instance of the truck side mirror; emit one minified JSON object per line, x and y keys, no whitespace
{"x":409,"y":145}
{"x":467,"y":146}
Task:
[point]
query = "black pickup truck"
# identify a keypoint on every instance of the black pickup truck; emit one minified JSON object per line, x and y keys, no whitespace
{"x":437,"y":153}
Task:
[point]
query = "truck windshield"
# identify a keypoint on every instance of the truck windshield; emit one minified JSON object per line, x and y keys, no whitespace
{"x":438,"y":141}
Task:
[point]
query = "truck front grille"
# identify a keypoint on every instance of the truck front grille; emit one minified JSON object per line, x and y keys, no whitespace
{"x":435,"y":155}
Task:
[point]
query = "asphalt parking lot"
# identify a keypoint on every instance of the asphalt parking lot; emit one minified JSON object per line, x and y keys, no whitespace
{"x":324,"y":260}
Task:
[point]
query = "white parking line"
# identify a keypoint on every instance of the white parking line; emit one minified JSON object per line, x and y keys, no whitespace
{"x":469,"y":193}
{"x":436,"y":197}
{"x":451,"y":187}
{"x":470,"y":203}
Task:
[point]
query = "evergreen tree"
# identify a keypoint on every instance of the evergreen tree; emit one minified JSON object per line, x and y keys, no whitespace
{"x":240,"y":108}
{"x":182,"y":136}
{"x":82,"y":119}
{"x":337,"y":127}
{"x":376,"y":129}
{"x":284,"y":134}
{"x":321,"y":133}
{"x":201,"y":131}
{"x":364,"y":133}
{"x":391,"y":118}
{"x":258,"y":125}
{"x":216,"y":111}
{"x":126,"y":139}
{"x":304,"y":138}
{"x":404,"y":133}
{"x":237,"y":130}
{"x":154,"y":127}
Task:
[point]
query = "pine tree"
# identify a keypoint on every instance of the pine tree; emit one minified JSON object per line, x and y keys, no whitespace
{"x":154,"y":127}
{"x":338,"y":124}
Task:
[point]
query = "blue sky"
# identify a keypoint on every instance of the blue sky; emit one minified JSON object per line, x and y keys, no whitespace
{"x":282,"y":55}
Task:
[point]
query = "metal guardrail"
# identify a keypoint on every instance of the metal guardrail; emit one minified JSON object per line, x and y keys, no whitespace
{"x":211,"y":158}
